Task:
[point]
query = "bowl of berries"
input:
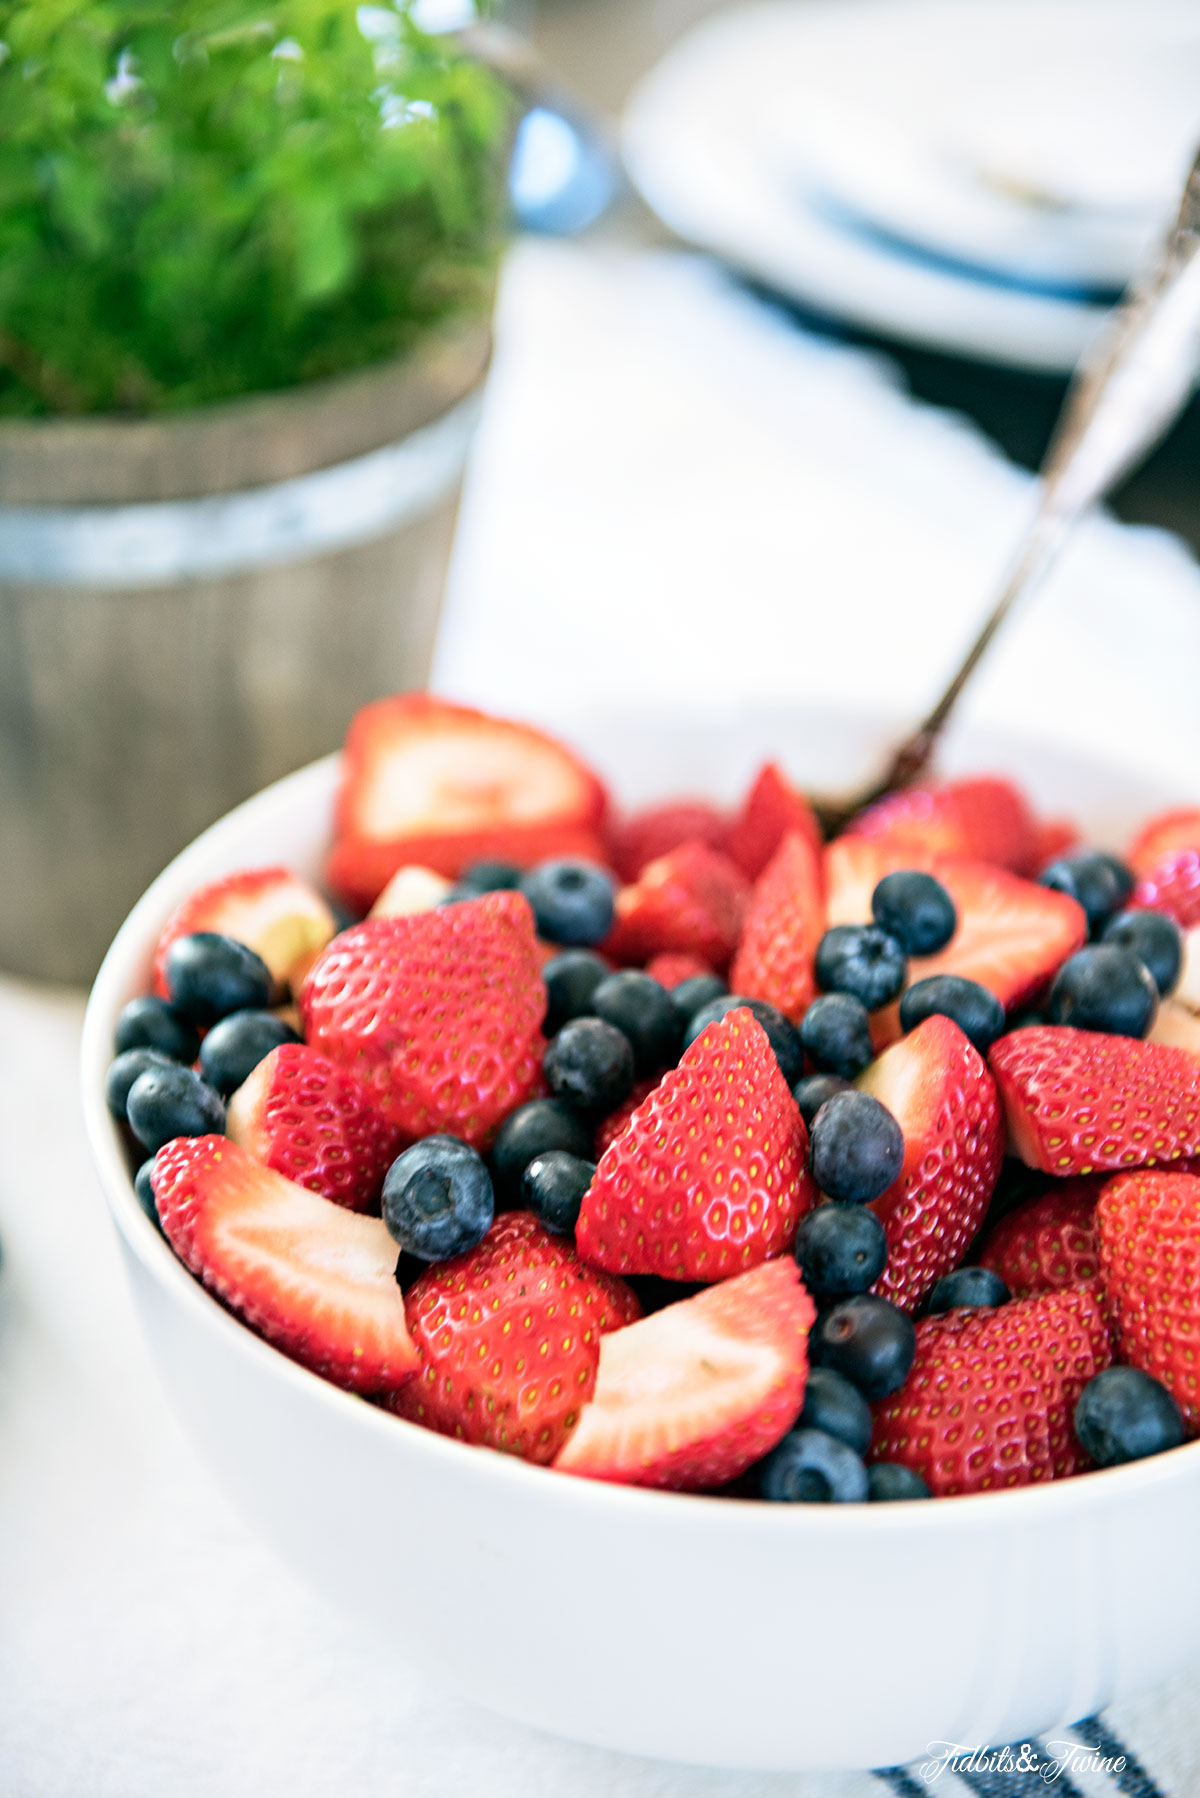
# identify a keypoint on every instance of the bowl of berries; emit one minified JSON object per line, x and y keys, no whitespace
{"x":701,"y":1289}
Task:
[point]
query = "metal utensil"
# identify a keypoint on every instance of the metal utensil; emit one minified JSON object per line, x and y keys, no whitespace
{"x":1127,"y":391}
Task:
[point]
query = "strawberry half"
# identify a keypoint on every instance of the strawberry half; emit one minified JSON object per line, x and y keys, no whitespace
{"x":271,"y":910}
{"x":981,"y":819}
{"x":784,"y":923}
{"x":439,"y":1014}
{"x":1159,"y":836}
{"x":692,"y":1396}
{"x":938,"y":1089}
{"x":772,"y":808}
{"x":710,"y":1175}
{"x":691,"y":901}
{"x":509,"y":1338}
{"x":1077,"y":1101}
{"x":991,"y":1396}
{"x":1048,"y":1242}
{"x":1148,"y":1226}
{"x":644,"y":836}
{"x":310,"y":1277}
{"x":411,"y":889}
{"x":443,"y":785}
{"x":314,"y":1123}
{"x":1012,"y":935}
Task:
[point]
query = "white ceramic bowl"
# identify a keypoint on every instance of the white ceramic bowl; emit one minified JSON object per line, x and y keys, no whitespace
{"x":715,"y":1631}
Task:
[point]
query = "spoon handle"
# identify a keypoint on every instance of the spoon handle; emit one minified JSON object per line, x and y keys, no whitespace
{"x":1130,"y":386}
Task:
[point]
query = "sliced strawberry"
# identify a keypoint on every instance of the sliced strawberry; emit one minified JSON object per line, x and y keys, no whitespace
{"x":1173,"y":886}
{"x":646,"y":835}
{"x":311,"y":1277}
{"x":1012,"y":934}
{"x":674,"y":966}
{"x":411,"y":889}
{"x":316,"y":1124}
{"x":617,"y":1122}
{"x":509,"y":1337}
{"x":1077,"y":1101}
{"x":1159,"y":836}
{"x":691,"y":901}
{"x":1049,"y":1242}
{"x":438,"y":1013}
{"x":852,"y":869}
{"x":442,"y":785}
{"x":710,"y":1175}
{"x":1149,"y":1231}
{"x":271,"y":910}
{"x":772,"y":808}
{"x":693,"y":1395}
{"x":980,"y":819}
{"x":940,"y":1092}
{"x":784,"y":923}
{"x":992,"y":1392}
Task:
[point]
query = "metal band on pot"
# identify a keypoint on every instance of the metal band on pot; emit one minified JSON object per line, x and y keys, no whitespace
{"x":164,"y":541}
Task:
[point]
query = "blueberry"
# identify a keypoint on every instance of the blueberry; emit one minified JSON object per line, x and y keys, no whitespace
{"x":867,"y":1340}
{"x":642,"y":1009}
{"x":977,"y":1012}
{"x":811,"y":1093}
{"x":572,"y":900}
{"x":916,"y":909}
{"x":590,"y":1065}
{"x":491,"y":877}
{"x":810,"y":1468}
{"x":862,"y":960}
{"x":973,"y":1286}
{"x":553,"y":1187}
{"x":1104,"y":988}
{"x":437,"y":1199}
{"x":208,"y":976}
{"x":533,"y":1129}
{"x":233,"y":1048}
{"x":172,"y":1101}
{"x":856,"y":1147}
{"x":890,"y":1481}
{"x":841,"y":1248}
{"x":571,"y":979}
{"x":781,"y":1033}
{"x":836,"y":1035}
{"x":125,"y":1070}
{"x":145,"y":1191}
{"x":697,"y":990}
{"x":1098,"y":881}
{"x":1125,"y":1415}
{"x":833,"y":1405}
{"x":1154,"y":939}
{"x":150,"y":1023}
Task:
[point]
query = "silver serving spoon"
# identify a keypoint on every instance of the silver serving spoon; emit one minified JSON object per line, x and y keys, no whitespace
{"x":1128,"y":389}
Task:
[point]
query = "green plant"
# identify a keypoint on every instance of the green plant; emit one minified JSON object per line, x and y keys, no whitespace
{"x":208,"y":198}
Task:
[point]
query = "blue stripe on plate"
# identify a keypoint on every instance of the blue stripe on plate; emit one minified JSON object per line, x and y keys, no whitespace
{"x":1131,"y":1778}
{"x":902,"y":1784}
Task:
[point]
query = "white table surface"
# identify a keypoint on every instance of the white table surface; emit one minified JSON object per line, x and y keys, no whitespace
{"x":149,"y":1647}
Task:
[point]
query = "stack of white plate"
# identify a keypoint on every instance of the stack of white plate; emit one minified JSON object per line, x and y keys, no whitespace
{"x":981,"y":176}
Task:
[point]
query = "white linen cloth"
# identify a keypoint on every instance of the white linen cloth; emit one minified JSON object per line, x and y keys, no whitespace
{"x":649,"y":434}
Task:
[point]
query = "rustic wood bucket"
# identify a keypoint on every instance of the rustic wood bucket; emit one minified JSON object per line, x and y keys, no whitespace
{"x":192,"y":606}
